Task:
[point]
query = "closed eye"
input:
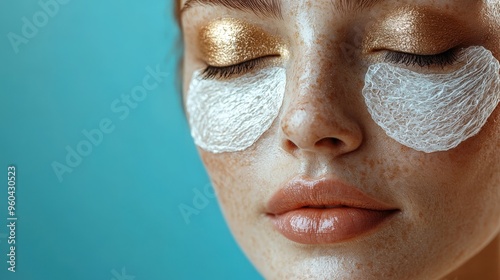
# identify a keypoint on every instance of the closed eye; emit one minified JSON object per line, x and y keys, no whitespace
{"x":446,"y":58}
{"x":226,"y":72}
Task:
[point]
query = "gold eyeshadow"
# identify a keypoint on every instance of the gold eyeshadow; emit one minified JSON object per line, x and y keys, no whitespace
{"x":230,"y":41}
{"x":415,"y":30}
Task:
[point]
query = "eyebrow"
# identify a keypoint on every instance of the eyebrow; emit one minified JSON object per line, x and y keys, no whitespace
{"x":268,"y":8}
{"x":272,"y":8}
{"x":344,"y":6}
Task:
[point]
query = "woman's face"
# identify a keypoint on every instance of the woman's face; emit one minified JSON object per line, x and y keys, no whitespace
{"x":318,"y":189}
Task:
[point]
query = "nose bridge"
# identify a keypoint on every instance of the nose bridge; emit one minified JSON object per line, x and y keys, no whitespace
{"x":313,"y":70}
{"x":315,"y":53}
{"x":314,"y":85}
{"x":314,"y":116}
{"x":314,"y":60}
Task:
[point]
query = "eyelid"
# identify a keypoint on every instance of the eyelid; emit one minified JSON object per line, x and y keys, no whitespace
{"x":442,"y":59}
{"x":416,"y":30}
{"x":227,"y":72}
{"x":229,"y":41}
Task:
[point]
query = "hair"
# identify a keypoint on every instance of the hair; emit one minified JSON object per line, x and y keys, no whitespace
{"x":179,"y":46}
{"x":177,"y":12}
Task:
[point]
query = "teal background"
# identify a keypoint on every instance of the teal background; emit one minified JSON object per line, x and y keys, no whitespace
{"x":117,"y":213}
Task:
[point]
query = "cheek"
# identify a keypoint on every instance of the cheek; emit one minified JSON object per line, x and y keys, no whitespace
{"x":230,"y":173}
{"x":449,"y":199}
{"x":455,"y":194}
{"x":434,"y":112}
{"x":244,"y":180}
{"x":230,"y":116}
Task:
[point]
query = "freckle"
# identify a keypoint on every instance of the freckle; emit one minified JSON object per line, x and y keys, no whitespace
{"x":403,"y":148}
{"x":296,"y":36}
{"x":253,"y":240}
{"x":404,"y":235}
{"x":406,"y":169}
{"x":394,"y":172}
{"x":379,"y":247}
{"x":420,"y":215}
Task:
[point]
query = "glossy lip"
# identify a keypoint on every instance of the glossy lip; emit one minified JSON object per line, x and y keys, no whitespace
{"x":325,"y":211}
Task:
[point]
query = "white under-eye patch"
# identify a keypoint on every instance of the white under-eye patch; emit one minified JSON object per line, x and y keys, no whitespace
{"x":230,"y":116}
{"x":434,"y":112}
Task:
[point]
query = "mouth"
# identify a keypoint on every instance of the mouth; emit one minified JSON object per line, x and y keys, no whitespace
{"x":325,"y":212}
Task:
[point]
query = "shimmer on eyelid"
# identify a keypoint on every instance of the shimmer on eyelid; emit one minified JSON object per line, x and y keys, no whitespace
{"x":415,"y":30}
{"x":231,"y":41}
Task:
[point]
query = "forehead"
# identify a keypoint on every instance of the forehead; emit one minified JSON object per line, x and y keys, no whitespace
{"x":269,"y":7}
{"x":467,"y":11}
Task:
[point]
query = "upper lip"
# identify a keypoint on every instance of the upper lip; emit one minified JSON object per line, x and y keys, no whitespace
{"x":323,"y":193}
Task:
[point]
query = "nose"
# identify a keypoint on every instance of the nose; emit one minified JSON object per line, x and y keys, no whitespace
{"x":309,"y":128}
{"x":320,"y":116}
{"x":323,"y":111}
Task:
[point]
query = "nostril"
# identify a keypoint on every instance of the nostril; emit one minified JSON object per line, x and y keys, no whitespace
{"x":315,"y":133}
{"x":289,"y":145}
{"x":330,"y":142}
{"x":335,"y":141}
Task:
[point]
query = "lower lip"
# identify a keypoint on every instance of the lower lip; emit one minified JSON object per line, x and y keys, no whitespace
{"x":324,"y":226}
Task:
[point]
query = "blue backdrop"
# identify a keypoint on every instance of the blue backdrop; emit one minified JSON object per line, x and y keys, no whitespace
{"x":91,"y":119}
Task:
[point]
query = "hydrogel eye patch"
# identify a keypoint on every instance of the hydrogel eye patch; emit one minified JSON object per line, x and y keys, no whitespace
{"x":434,"y":112}
{"x":230,"y":116}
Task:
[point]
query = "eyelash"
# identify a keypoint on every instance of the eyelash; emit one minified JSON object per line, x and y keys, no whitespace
{"x":443,"y":59}
{"x":214,"y":72}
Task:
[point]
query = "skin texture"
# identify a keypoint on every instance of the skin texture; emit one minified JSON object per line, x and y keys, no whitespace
{"x":449,"y":219}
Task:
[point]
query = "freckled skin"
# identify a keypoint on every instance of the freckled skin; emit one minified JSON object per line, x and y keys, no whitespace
{"x":449,"y":222}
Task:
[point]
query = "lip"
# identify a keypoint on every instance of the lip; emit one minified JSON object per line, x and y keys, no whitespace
{"x":325,"y":211}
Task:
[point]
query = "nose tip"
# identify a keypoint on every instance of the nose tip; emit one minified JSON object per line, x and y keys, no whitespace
{"x":307,"y":130}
